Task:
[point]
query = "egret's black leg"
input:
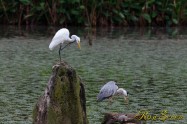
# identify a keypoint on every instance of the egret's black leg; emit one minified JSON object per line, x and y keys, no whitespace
{"x":61,"y":48}
{"x":60,"y":51}
{"x":66,"y":45}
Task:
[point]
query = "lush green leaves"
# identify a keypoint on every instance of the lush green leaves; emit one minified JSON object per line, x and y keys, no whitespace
{"x":175,"y":21}
{"x":94,"y":12}
{"x":25,"y":2}
{"x":147,"y":17}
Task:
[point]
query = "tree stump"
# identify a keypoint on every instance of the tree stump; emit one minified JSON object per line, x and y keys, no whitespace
{"x":64,"y":99}
{"x":121,"y":118}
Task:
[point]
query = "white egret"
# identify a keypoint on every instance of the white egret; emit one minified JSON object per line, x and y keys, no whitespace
{"x":62,"y":36}
{"x":109,"y":90}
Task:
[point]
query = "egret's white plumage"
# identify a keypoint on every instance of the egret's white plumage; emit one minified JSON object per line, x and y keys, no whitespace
{"x":110,"y":89}
{"x":62,"y":36}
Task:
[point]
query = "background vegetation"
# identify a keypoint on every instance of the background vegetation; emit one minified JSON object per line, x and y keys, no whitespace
{"x":94,"y":12}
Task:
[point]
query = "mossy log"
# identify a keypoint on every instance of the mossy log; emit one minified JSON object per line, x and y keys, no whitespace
{"x":64,"y":99}
{"x":121,"y":118}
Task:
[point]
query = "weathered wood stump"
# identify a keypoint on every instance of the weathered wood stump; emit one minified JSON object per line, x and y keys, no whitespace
{"x":121,"y":118}
{"x":64,"y":99}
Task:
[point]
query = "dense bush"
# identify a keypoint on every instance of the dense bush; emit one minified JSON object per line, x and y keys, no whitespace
{"x":94,"y":12}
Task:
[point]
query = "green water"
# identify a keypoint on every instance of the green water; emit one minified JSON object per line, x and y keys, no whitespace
{"x":151,"y":64}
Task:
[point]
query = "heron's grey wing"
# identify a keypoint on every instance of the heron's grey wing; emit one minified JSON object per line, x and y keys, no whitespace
{"x":107,"y":91}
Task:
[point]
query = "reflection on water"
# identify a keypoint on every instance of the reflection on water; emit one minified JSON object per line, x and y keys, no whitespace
{"x":150,"y":63}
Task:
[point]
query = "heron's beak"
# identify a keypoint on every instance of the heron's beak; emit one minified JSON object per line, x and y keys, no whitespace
{"x":79,"y":45}
{"x":126,"y":99}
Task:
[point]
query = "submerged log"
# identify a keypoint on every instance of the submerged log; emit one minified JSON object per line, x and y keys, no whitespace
{"x":121,"y":118}
{"x":64,"y":99}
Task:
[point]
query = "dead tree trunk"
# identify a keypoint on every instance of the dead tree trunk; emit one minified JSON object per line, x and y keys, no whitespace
{"x":64,"y":99}
{"x":121,"y":118}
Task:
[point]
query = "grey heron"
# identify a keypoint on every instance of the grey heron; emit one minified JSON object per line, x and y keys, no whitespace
{"x":109,"y":90}
{"x":62,"y":36}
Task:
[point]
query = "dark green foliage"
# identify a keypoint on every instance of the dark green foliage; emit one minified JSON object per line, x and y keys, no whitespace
{"x":94,"y":12}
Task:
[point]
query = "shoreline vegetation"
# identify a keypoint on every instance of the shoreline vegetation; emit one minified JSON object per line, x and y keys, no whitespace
{"x":94,"y":13}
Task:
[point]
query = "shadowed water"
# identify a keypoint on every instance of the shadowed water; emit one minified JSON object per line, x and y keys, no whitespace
{"x":150,"y":63}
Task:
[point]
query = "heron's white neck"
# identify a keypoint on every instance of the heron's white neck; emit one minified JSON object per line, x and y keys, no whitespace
{"x":121,"y":92}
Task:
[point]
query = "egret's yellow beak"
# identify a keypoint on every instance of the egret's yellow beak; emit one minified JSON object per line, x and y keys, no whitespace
{"x":126,"y":99}
{"x":79,"y":45}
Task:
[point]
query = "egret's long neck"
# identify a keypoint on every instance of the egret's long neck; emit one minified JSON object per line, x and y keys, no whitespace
{"x":71,"y":40}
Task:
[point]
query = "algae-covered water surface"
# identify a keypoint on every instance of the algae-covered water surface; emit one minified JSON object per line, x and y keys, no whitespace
{"x":151,"y":64}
